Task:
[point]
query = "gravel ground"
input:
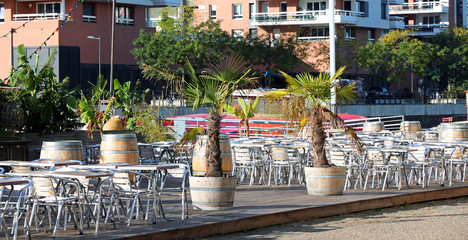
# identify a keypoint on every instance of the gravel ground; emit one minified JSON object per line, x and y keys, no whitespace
{"x":446,"y":219}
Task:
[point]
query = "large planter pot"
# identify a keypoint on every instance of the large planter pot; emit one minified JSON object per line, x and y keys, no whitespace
{"x":325,"y":181}
{"x":212,"y":193}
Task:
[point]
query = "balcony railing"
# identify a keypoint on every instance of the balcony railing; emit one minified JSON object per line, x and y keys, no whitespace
{"x":89,"y":18}
{"x":417,"y":7}
{"x":306,"y":17}
{"x":396,"y":22}
{"x":39,"y":16}
{"x":314,"y":39}
{"x":427,"y":29}
{"x":124,"y":21}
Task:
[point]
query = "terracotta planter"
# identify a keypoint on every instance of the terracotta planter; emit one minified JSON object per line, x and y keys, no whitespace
{"x":325,"y":181}
{"x":212,"y":193}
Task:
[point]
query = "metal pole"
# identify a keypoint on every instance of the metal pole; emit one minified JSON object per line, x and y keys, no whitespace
{"x":112,"y":50}
{"x":99,"y":56}
{"x":12,"y":52}
{"x":331,"y":13}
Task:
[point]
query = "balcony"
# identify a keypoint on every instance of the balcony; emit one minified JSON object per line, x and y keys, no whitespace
{"x":396,"y":2}
{"x":427,"y":29}
{"x":124,"y":21}
{"x":396,"y":22}
{"x":314,"y":39}
{"x":303,"y":18}
{"x":39,"y":17}
{"x":420,"y":7}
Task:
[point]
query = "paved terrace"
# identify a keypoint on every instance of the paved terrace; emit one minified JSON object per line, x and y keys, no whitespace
{"x":258,"y":206}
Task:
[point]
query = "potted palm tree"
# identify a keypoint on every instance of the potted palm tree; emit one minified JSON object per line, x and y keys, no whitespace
{"x":321,"y":178}
{"x":213,"y":88}
{"x":244,"y":112}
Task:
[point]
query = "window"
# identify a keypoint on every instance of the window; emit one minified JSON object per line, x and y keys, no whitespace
{"x":266,"y":7}
{"x":253,"y":32}
{"x":364,"y":8}
{"x":384,"y":32}
{"x":48,"y":8}
{"x":88,"y":12}
{"x":237,"y":33}
{"x":236,"y":11}
{"x":251,"y":10}
{"x":212,"y":11}
{"x":371,"y":35}
{"x":383,"y":10}
{"x":347,"y":5}
{"x":2,"y":12}
{"x":124,"y":15}
{"x":350,"y":33}
{"x":431,"y":20}
{"x":317,"y":6}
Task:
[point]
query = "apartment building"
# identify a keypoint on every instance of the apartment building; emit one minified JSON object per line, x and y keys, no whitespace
{"x":426,"y":18}
{"x":81,"y":33}
{"x":357,"y":20}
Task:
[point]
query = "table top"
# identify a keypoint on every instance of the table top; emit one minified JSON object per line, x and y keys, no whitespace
{"x":64,"y":174}
{"x":45,"y":163}
{"x":5,"y":182}
{"x":149,"y":167}
{"x":97,"y":166}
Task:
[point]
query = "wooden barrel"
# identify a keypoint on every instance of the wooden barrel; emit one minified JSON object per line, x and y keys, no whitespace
{"x":62,"y":150}
{"x":453,"y":132}
{"x":325,"y":181}
{"x":373,"y":127}
{"x":212,"y":193}
{"x":199,"y":162}
{"x":119,"y":148}
{"x":411,"y":128}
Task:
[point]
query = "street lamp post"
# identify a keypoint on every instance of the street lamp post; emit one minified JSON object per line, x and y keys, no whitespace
{"x":99,"y":39}
{"x":331,"y":24}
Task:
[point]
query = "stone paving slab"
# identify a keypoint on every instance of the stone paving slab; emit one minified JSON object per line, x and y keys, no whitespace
{"x":259,"y":206}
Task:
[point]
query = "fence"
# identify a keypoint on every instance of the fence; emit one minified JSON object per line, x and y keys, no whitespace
{"x":271,"y":128}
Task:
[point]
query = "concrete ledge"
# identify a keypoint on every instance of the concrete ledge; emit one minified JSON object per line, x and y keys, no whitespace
{"x":301,"y":214}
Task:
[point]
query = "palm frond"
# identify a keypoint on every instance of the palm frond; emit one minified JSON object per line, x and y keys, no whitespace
{"x":190,"y":137}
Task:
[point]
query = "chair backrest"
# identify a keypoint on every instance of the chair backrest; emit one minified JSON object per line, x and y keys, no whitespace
{"x":374,"y":157}
{"x":123,"y":180}
{"x":92,"y":154}
{"x":146,"y":154}
{"x":241,"y":155}
{"x":15,"y":197}
{"x":337,"y":157}
{"x":177,"y":178}
{"x":44,"y":186}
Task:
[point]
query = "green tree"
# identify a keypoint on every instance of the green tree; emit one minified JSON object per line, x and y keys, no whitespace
{"x":49,"y":104}
{"x":284,"y":53}
{"x":244,"y":112}
{"x":177,"y":41}
{"x":449,"y":58}
{"x":393,"y":55}
{"x":316,"y":90}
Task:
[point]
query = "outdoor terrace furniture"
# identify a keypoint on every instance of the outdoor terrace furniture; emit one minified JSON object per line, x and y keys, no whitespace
{"x":14,"y":202}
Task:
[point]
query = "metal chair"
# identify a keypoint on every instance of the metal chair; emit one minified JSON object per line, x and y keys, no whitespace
{"x":14,"y":202}
{"x":175,"y":185}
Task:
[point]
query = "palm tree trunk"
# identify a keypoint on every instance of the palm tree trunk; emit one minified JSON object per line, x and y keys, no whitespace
{"x":247,"y":128}
{"x":318,"y":138}
{"x":213,"y":154}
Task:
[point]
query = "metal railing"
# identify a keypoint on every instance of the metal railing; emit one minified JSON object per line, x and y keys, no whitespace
{"x":39,"y":16}
{"x":89,"y":18}
{"x":299,"y":16}
{"x":270,"y":128}
{"x":124,"y":21}
{"x":418,"y":6}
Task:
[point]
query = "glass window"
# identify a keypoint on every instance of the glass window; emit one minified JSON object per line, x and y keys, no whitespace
{"x":383,"y":11}
{"x":236,"y":11}
{"x":350,"y":33}
{"x":347,"y":5}
{"x":253,"y":33}
{"x":238,"y":33}
{"x":266,"y":7}
{"x":48,"y":8}
{"x":124,"y":15}
{"x":212,"y":11}
{"x":371,"y":34}
{"x":88,"y":12}
{"x":251,"y":9}
{"x":317,"y":6}
{"x":364,"y":8}
{"x":2,"y":12}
